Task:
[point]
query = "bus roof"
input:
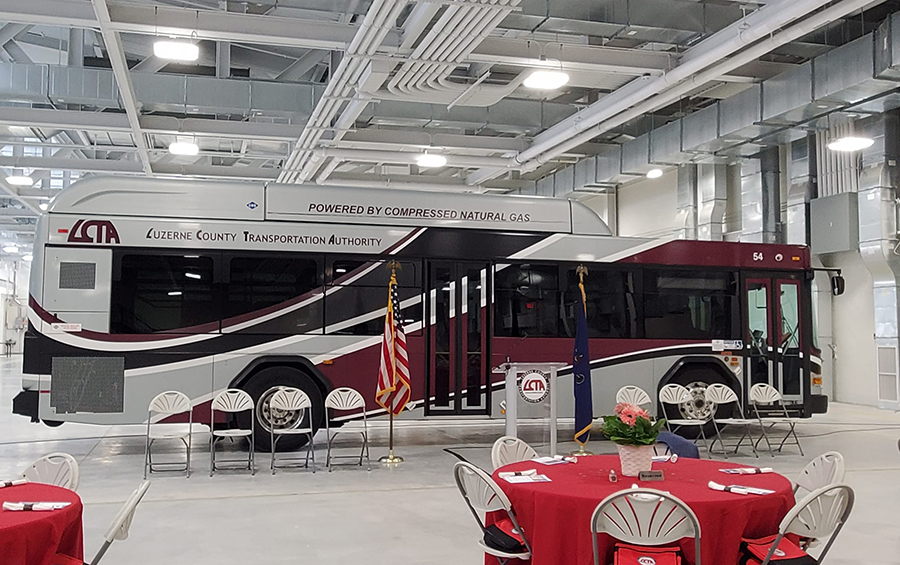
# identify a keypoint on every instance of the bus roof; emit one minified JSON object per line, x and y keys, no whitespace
{"x":222,"y":200}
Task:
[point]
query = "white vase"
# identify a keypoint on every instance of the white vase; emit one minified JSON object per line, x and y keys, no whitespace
{"x":635,"y":458}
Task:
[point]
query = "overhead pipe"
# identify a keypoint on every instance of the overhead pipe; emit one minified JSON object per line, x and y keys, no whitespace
{"x":790,"y":34}
{"x":404,"y":185}
{"x":408,"y":157}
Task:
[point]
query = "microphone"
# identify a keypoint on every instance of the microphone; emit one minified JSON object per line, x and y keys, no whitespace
{"x":515,"y":346}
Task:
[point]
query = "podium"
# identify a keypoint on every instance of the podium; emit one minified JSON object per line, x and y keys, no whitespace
{"x":534,"y":383}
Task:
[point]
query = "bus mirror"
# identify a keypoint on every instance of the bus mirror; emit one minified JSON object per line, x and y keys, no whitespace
{"x":837,"y":285}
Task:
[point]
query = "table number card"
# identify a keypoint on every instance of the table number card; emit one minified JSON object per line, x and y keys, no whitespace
{"x":651,"y":476}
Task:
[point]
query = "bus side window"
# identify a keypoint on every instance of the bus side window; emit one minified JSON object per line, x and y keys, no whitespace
{"x":164,"y":293}
{"x":263,"y":282}
{"x":689,"y":304}
{"x":610,"y":299}
{"x":526,"y":301}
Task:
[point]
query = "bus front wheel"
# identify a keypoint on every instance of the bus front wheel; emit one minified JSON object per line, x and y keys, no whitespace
{"x":696,"y":379}
{"x":263,"y":385}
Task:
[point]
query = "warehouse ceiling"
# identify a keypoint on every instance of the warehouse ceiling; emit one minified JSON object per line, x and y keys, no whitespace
{"x":353,"y":92}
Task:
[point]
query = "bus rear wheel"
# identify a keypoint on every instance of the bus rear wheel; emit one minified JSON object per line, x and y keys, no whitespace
{"x":263,"y":385}
{"x":696,"y":380}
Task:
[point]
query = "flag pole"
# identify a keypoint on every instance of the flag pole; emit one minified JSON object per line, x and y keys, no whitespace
{"x":390,"y":458}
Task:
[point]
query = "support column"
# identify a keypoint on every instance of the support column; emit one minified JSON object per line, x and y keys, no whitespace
{"x":687,"y":202}
{"x":223,"y":59}
{"x":75,"y":53}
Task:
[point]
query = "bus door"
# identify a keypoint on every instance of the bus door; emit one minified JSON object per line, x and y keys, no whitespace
{"x":774,"y":336}
{"x":458,"y":337}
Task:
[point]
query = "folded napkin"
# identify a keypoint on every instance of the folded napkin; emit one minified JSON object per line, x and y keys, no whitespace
{"x":554,"y":460}
{"x":526,"y":473}
{"x":665,"y":458}
{"x":14,"y":483}
{"x":738,"y":489}
{"x":34,"y":506}
{"x":748,"y":470}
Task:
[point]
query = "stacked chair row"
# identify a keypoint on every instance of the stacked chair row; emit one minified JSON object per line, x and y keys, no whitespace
{"x":292,"y":405}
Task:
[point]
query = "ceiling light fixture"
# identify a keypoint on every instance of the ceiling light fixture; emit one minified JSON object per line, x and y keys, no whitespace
{"x":848,"y":144}
{"x":10,"y":249}
{"x":176,"y":50}
{"x":654,"y":173}
{"x":27,"y":258}
{"x":20,"y":180}
{"x":175,"y":293}
{"x":192,"y":276}
{"x":184,"y":148}
{"x":546,"y":80}
{"x":431,"y":160}
{"x":43,"y":206}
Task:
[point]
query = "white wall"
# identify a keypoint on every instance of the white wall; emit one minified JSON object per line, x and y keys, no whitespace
{"x":854,"y":332}
{"x":648,"y":207}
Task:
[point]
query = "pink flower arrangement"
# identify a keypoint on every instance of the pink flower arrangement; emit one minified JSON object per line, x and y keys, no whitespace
{"x":629,"y":413}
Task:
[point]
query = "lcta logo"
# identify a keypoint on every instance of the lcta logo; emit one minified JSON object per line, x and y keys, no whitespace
{"x":533,"y":387}
{"x":92,"y":231}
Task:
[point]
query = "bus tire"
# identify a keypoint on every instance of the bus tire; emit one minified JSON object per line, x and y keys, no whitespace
{"x":52,"y":423}
{"x":695,"y":378}
{"x":261,"y":384}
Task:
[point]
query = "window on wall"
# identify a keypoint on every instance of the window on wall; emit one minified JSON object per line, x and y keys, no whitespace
{"x":526,"y":301}
{"x":689,"y":304}
{"x":357,"y":294}
{"x":610,"y":299}
{"x":164,"y":293}
{"x":266,"y":281}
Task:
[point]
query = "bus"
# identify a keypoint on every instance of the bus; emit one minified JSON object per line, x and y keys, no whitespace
{"x":140,"y":286}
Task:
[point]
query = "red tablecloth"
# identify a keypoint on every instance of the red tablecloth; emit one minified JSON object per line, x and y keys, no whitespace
{"x":556,"y":516}
{"x":33,"y":538}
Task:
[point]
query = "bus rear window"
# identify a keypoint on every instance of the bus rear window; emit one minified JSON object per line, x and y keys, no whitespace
{"x":163,"y":293}
{"x":689,"y":304}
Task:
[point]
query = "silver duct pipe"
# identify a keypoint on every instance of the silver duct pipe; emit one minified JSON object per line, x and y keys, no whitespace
{"x":801,"y":188}
{"x":760,"y":209}
{"x":75,"y":49}
{"x":712,"y":196}
{"x":686,"y":197}
{"x":878,"y":243}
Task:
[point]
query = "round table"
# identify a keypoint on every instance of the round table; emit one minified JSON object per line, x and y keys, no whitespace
{"x":556,"y":516}
{"x":33,"y":538}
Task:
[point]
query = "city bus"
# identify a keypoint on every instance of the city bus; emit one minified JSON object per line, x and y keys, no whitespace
{"x":140,"y":286}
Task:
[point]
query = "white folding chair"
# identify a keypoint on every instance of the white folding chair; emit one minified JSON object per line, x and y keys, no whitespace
{"x":822,"y":514}
{"x":509,"y":449}
{"x":826,"y":469}
{"x":644,"y":516}
{"x":231,"y":401}
{"x":633,"y":395}
{"x":676,"y":395}
{"x":169,"y":403}
{"x":762,"y":393}
{"x":720,"y":395}
{"x":346,"y":399}
{"x":289,"y":399}
{"x":482,"y":494}
{"x":60,"y":469}
{"x":118,"y":530}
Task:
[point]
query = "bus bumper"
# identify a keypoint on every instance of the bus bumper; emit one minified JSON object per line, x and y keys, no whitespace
{"x":26,"y":404}
{"x":818,"y":404}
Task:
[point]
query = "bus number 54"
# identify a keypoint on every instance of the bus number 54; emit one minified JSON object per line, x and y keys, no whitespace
{"x":757,"y":256}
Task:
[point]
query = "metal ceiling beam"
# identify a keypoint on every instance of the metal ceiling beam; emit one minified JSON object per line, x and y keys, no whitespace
{"x":123,"y":80}
{"x":59,"y":13}
{"x":65,"y":163}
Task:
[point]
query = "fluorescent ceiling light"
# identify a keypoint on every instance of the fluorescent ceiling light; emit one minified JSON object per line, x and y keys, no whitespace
{"x":27,"y":258}
{"x":43,"y":205}
{"x":192,"y":275}
{"x":546,"y":80}
{"x":176,"y":50}
{"x":431,"y":160}
{"x":20,"y":180}
{"x":847,"y":144}
{"x":654,"y":173}
{"x":10,"y":249}
{"x":184,"y":148}
{"x":175,"y":293}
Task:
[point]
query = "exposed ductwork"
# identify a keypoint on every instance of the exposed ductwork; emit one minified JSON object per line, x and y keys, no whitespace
{"x":712,"y":197}
{"x":60,"y":85}
{"x":686,"y":202}
{"x":878,"y":243}
{"x":849,"y":76}
{"x":802,"y":183}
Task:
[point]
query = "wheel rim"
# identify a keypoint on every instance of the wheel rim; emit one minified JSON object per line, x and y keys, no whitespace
{"x":266,"y":416}
{"x":697,"y":408}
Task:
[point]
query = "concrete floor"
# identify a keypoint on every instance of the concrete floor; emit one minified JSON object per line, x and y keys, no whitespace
{"x":408,"y":514}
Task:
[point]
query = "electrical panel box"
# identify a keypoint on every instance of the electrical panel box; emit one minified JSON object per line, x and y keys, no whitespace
{"x":834,"y":223}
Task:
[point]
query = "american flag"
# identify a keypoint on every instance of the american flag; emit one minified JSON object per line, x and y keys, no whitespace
{"x":393,"y":376}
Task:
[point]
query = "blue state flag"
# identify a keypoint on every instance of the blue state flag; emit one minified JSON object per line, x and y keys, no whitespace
{"x":581,"y":369}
